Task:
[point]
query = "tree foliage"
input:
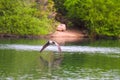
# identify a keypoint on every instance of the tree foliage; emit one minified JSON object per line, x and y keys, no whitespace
{"x":101,"y":17}
{"x":21,"y":17}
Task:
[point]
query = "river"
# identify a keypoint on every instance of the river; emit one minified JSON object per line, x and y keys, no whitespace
{"x":81,"y":60}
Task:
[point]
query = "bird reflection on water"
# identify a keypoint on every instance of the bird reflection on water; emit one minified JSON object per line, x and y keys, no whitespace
{"x":48,"y":58}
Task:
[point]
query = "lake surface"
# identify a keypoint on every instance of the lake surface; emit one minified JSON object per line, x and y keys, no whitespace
{"x":80,"y":60}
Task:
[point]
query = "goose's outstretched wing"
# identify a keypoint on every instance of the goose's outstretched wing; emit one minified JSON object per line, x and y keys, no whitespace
{"x":51,"y":42}
{"x":47,"y":44}
{"x":59,"y":48}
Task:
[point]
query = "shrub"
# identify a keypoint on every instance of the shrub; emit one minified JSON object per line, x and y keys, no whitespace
{"x":101,"y":17}
{"x":20,"y":17}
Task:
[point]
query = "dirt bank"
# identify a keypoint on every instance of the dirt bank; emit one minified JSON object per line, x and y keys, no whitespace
{"x":60,"y":37}
{"x":67,"y":36}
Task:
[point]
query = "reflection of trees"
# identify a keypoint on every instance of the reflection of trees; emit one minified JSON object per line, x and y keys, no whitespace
{"x":50,"y":61}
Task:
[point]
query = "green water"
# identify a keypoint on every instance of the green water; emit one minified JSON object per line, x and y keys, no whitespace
{"x":32,"y":65}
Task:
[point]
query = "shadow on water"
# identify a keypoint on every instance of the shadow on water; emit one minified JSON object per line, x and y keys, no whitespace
{"x":22,"y":61}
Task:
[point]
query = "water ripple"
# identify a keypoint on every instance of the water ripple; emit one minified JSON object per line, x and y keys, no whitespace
{"x":87,"y":49}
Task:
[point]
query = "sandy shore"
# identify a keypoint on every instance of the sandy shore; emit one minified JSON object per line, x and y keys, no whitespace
{"x":67,"y":36}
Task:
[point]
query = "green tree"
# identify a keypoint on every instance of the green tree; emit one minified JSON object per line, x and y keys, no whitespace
{"x":101,"y":17}
{"x":21,"y":17}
